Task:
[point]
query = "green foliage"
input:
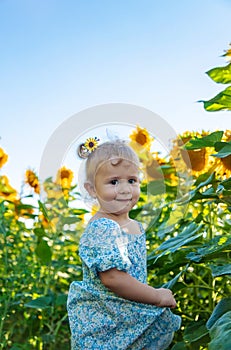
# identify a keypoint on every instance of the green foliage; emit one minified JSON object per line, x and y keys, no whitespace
{"x":219,"y":326}
{"x":38,"y":262}
{"x":222,"y":101}
{"x":206,"y":141}
{"x":188,"y":241}
{"x":192,"y":255}
{"x":221,"y":333}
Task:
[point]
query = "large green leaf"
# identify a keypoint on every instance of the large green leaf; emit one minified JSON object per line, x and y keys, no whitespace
{"x":224,"y":149}
{"x":188,"y":235}
{"x":221,"y":74}
{"x":43,"y":251}
{"x":220,"y":270}
{"x":195,"y":331}
{"x":222,"y":307}
{"x":226,"y":183}
{"x":204,"y":180}
{"x":208,"y":194}
{"x":216,"y":245}
{"x":166,"y":264}
{"x":205,"y":141}
{"x":221,"y":101}
{"x":39,"y":303}
{"x":220,"y":333}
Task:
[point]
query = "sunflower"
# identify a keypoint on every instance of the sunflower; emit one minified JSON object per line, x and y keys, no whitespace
{"x":197,"y":160}
{"x":64,"y":177}
{"x":141,"y":137}
{"x":6,"y":190}
{"x":91,"y":144}
{"x":32,"y":179}
{"x":3,"y":157}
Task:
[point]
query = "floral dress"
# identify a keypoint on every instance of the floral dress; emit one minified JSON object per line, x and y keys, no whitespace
{"x":98,"y":318}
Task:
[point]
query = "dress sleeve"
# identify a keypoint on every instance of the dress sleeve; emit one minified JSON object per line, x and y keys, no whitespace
{"x":103,"y":246}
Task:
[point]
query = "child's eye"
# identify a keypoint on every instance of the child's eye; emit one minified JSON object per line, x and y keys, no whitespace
{"x":132,"y":181}
{"x":114,"y":182}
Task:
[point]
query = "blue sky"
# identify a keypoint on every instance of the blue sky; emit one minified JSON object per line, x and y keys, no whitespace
{"x":61,"y":57}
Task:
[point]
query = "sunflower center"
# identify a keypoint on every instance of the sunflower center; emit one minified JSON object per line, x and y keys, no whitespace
{"x":141,"y":138}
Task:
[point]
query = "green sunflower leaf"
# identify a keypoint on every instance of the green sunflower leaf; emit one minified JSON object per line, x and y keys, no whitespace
{"x":221,"y":75}
{"x":185,"y":237}
{"x":195,"y":331}
{"x":43,"y":251}
{"x":206,"y":141}
{"x":224,"y":149}
{"x":221,"y":101}
{"x":212,"y":249}
{"x":39,"y":303}
{"x":222,"y":307}
{"x":220,"y":270}
{"x":221,"y":333}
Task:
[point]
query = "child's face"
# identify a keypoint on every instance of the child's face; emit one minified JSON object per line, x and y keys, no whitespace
{"x":117,"y":187}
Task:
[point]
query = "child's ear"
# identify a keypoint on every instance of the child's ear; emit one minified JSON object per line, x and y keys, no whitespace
{"x":90,"y":189}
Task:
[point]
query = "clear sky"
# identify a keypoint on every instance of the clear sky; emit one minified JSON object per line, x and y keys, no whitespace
{"x":60,"y":57}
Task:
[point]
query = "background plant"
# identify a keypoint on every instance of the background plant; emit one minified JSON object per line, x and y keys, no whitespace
{"x":38,"y":262}
{"x":188,"y":241}
{"x":190,"y":252}
{"x":221,"y":75}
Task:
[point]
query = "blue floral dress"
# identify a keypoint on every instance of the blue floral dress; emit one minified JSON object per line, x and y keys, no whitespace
{"x":99,"y":319}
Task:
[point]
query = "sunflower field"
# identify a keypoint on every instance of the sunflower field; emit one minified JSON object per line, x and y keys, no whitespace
{"x":185,"y":207}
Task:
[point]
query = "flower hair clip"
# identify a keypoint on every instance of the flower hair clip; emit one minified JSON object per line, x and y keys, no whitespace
{"x":88,"y":147}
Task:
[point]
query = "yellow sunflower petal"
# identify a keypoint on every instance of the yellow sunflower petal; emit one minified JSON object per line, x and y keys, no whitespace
{"x":91,"y":144}
{"x":3,"y":157}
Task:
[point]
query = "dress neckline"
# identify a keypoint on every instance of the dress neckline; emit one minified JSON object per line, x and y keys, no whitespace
{"x":127,"y":233}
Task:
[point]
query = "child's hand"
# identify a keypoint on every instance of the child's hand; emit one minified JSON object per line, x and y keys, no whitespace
{"x":166,"y":298}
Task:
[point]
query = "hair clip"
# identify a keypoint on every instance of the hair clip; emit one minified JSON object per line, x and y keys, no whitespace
{"x":88,"y":147}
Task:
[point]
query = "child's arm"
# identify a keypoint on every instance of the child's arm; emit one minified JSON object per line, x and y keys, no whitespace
{"x":127,"y":287}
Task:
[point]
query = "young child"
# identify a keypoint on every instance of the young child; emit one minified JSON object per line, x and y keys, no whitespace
{"x":113,"y":307}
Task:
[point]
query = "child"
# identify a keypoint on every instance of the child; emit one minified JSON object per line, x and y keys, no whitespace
{"x":113,"y":307}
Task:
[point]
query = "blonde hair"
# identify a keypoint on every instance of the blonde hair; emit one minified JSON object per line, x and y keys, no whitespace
{"x":117,"y":150}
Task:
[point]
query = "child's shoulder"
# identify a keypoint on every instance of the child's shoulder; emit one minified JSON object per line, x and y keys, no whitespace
{"x":99,"y":231}
{"x":102,"y":222}
{"x":102,"y":225}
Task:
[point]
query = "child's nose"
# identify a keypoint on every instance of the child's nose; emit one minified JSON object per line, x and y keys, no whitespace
{"x":124,"y":188}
